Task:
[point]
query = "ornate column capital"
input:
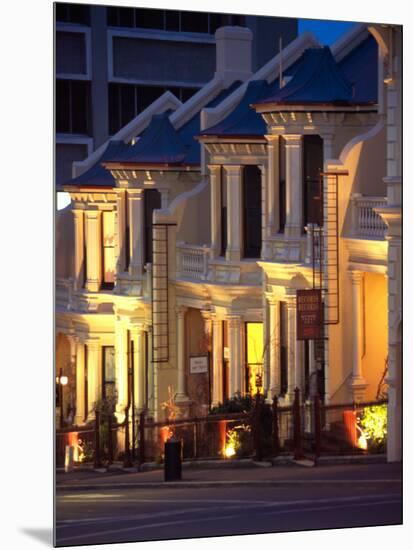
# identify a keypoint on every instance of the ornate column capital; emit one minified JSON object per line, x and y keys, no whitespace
{"x":234,"y":320}
{"x":214,"y":169}
{"x":293,"y":141}
{"x":233,"y":170}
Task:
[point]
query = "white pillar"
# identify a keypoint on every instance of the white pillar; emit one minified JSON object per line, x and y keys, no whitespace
{"x":294,"y":186}
{"x":217,"y":354}
{"x":235,"y":358}
{"x":122,"y":365}
{"x":80,"y":383}
{"x":358,"y":384}
{"x":274,"y":347}
{"x":79,"y":248}
{"x":94,"y":383}
{"x":181,"y":396}
{"x":93,"y":250}
{"x":292,"y":348}
{"x":234,"y":212}
{"x":273,"y":185}
{"x":139,"y":362}
{"x":136,"y":228}
{"x":120,"y":230}
{"x":215,"y":182}
{"x":164,"y":198}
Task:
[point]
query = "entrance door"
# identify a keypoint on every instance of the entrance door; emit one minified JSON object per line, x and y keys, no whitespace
{"x":255,"y":357}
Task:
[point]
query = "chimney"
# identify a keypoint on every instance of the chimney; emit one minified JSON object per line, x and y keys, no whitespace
{"x":234,"y":57}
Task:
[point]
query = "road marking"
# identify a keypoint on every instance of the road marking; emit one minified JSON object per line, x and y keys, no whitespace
{"x":338,"y":503}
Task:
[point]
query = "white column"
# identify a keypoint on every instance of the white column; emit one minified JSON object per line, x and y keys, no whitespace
{"x":164,"y":198}
{"x":121,"y":355}
{"x":93,"y":250}
{"x":136,"y":229}
{"x":235,"y":357}
{"x":234,"y":212}
{"x":294,"y":186}
{"x":120,"y":230}
{"x":139,"y":362}
{"x":215,"y":182}
{"x":292,"y":348}
{"x":181,"y":396}
{"x":93,"y":378}
{"x":275,"y":346}
{"x":80,"y":384}
{"x":358,"y":384}
{"x":273,"y":185}
{"x":217,"y":354}
{"x":79,"y":248}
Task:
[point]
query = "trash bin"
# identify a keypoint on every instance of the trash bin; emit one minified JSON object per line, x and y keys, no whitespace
{"x":173,"y":461}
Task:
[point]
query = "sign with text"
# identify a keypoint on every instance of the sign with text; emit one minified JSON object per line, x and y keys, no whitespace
{"x":309,"y":315}
{"x":198,"y":364}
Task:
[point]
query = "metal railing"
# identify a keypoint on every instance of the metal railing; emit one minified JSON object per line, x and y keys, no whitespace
{"x":192,"y":261}
{"x":366,"y":222}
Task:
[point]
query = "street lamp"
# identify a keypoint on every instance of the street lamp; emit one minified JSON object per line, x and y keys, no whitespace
{"x":61,"y":380}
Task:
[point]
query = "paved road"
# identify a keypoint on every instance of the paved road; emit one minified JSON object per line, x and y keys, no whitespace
{"x":108,"y":515}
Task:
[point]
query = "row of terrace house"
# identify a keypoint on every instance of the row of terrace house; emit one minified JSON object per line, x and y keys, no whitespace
{"x":191,"y":231}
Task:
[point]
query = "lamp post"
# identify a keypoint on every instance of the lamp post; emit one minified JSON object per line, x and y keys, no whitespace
{"x":61,"y":380}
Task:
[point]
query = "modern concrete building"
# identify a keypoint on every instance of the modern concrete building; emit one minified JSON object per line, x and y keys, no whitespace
{"x":193,"y":232}
{"x":113,"y":62}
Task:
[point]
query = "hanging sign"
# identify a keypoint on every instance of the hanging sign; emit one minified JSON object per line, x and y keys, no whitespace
{"x":198,"y":364}
{"x":309,"y":314}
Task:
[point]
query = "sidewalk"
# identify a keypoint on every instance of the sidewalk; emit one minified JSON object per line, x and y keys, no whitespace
{"x":388,"y":474}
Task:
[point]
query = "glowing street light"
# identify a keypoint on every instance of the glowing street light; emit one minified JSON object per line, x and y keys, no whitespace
{"x":61,"y":380}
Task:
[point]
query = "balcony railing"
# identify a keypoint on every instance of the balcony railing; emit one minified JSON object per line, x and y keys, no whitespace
{"x":366,"y":222}
{"x":192,"y":261}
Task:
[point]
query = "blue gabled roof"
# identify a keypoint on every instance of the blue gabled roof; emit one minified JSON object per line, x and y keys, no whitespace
{"x":97,"y":175}
{"x":243,"y":120}
{"x":360,"y":66}
{"x":159,"y":144}
{"x":317,"y":80}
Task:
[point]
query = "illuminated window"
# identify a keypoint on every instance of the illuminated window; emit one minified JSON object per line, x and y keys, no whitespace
{"x":255,"y":357}
{"x":108,"y":250}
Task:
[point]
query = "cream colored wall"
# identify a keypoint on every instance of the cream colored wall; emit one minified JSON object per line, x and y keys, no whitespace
{"x":375,"y":339}
{"x":64,"y":255}
{"x":195,"y":224}
{"x":366,"y":164}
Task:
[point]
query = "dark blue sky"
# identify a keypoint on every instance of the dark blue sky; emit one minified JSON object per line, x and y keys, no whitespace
{"x":327,"y":32}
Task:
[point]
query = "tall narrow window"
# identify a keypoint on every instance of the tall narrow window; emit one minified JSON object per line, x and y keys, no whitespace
{"x":282,"y":183}
{"x":225,"y":361}
{"x":224,"y":228}
{"x":86,"y":402}
{"x":283,"y":349}
{"x":108,"y":250}
{"x":312,"y":190}
{"x":84,"y":264}
{"x":152,"y":201}
{"x":108,"y":372}
{"x":254,"y":354}
{"x":127,"y":233}
{"x":252,"y":211}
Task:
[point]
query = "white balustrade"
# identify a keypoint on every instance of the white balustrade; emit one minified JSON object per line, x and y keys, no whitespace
{"x":367,"y":223}
{"x":192,"y":261}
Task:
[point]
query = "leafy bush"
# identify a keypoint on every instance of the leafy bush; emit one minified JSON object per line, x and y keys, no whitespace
{"x":373,"y":423}
{"x":238,"y":403}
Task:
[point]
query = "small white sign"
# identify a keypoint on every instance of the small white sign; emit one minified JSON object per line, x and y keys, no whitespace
{"x":198,"y":364}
